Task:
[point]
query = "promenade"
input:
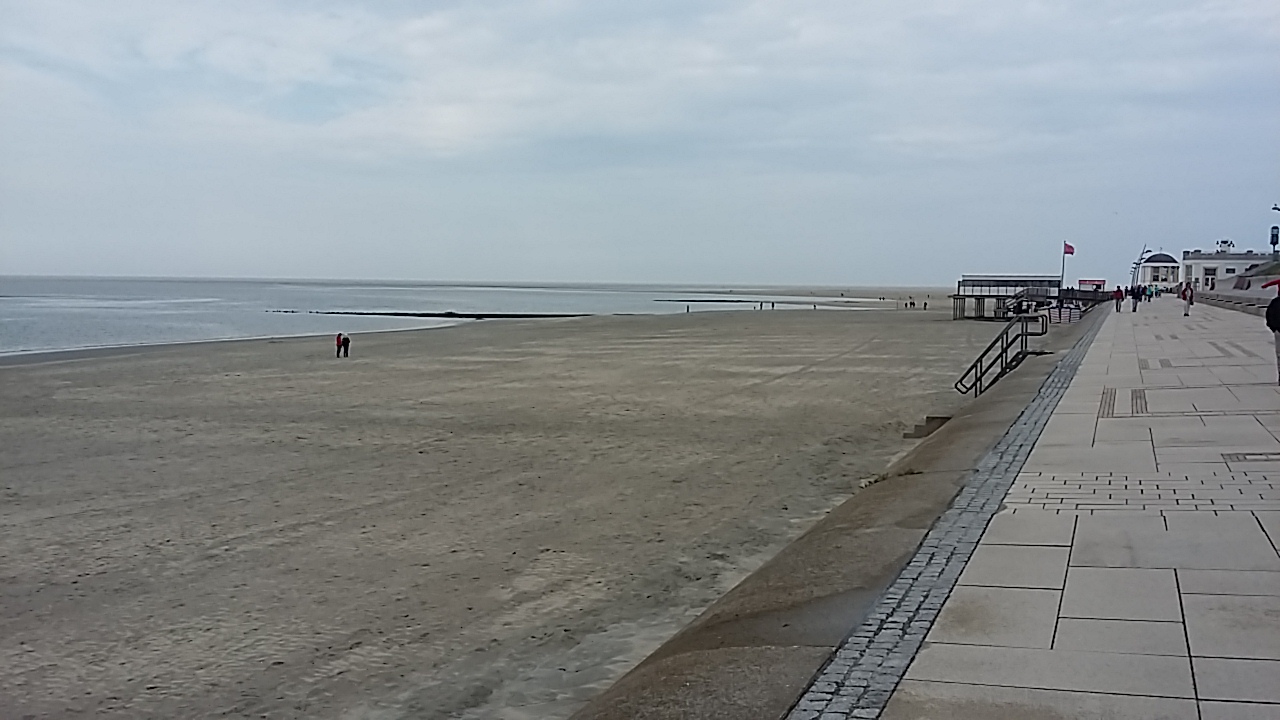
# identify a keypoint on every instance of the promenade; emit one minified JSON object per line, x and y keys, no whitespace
{"x":1115,"y":558}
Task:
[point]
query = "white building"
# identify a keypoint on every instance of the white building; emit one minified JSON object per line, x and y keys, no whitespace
{"x":1160,"y":270}
{"x":1205,"y":270}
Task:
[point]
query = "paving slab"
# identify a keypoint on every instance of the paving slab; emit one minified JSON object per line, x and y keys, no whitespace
{"x":1210,"y":453}
{"x":1019,"y":566}
{"x":1030,"y":528}
{"x":1229,"y":582}
{"x":1124,"y":430}
{"x":1208,"y":469}
{"x":1008,"y":617}
{"x":1242,"y":423}
{"x":1121,"y":594}
{"x":1255,"y":466}
{"x":1069,"y":437}
{"x":1139,"y":637}
{"x":1270,"y":524}
{"x":1130,"y":457}
{"x":1055,"y":670}
{"x":1240,"y":680}
{"x":1233,"y":626}
{"x":924,"y":700}
{"x":1194,"y":541}
{"x":1184,"y":400}
{"x":1068,"y":424}
{"x":1211,"y":710}
{"x":1245,"y":432}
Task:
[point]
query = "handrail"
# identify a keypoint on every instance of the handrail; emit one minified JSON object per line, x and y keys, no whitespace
{"x":997,"y":358}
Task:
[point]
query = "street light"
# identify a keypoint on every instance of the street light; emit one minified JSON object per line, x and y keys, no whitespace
{"x":1133,"y":274}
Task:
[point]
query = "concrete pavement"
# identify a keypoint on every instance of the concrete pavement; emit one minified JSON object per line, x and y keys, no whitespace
{"x":1131,"y":570}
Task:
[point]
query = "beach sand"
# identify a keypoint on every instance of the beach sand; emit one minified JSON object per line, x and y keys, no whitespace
{"x":494,"y":520}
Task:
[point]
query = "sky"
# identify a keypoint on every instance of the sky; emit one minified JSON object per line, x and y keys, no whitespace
{"x":820,"y":142}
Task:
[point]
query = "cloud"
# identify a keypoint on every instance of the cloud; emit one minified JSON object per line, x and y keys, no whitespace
{"x":469,"y":77}
{"x":999,"y":111}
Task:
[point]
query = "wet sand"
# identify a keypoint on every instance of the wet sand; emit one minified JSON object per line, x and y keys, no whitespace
{"x":487,"y":521}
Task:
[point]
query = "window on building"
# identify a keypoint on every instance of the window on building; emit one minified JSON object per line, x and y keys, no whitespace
{"x":1231,"y":271}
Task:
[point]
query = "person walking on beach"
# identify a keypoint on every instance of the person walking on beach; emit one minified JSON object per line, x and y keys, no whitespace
{"x":337,"y":346}
{"x":1188,"y":299}
{"x":346,"y":346}
{"x":1273,"y":320}
{"x":1118,"y":296}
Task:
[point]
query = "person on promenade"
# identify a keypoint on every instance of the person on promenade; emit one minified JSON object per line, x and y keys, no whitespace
{"x":1136,"y":293}
{"x":337,"y":346}
{"x":1118,"y":296}
{"x":346,"y":346}
{"x":1188,"y":299}
{"x":1273,"y":320}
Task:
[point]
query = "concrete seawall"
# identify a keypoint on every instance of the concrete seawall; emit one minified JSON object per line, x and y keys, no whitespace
{"x":753,"y":652}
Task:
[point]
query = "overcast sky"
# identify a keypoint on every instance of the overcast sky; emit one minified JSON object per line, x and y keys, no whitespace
{"x":779,"y":141}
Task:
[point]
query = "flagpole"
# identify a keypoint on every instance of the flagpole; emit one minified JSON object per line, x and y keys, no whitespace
{"x":1062,"y":277}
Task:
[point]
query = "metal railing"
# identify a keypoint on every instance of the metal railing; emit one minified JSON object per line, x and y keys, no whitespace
{"x":1006,"y":352}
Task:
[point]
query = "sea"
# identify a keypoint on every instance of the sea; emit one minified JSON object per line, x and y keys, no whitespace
{"x":48,"y":314}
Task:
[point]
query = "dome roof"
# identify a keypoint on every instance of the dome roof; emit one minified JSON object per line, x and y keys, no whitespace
{"x":1161,"y":258}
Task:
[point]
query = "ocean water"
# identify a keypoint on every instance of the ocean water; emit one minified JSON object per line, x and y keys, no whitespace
{"x":50,"y":314}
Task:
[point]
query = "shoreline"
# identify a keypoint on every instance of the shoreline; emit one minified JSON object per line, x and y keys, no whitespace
{"x":48,"y":314}
{"x":38,"y":357}
{"x":30,"y":357}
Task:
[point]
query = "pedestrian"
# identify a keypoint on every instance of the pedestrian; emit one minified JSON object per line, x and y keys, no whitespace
{"x":337,"y":346}
{"x":1133,"y":294}
{"x":1188,"y":299}
{"x":1118,"y":296}
{"x":346,"y":346}
{"x":1273,"y":320}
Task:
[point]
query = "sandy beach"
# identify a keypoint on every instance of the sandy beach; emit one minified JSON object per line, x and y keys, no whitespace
{"x":494,"y":520}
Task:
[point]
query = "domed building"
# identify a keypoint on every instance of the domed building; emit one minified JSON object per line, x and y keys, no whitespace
{"x":1160,"y":270}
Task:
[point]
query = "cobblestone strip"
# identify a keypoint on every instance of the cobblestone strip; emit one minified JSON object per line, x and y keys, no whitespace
{"x":859,"y":679}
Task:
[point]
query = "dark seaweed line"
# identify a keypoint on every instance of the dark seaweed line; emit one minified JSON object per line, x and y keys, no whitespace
{"x":446,"y":314}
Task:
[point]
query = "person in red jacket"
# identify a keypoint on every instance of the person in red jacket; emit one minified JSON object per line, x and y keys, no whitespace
{"x":1118,"y":296}
{"x":337,"y":342}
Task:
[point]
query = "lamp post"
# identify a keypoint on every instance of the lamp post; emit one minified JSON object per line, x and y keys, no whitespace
{"x":1133,"y":275}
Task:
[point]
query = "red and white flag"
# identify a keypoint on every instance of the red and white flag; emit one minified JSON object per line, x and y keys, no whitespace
{"x":1068,"y":249}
